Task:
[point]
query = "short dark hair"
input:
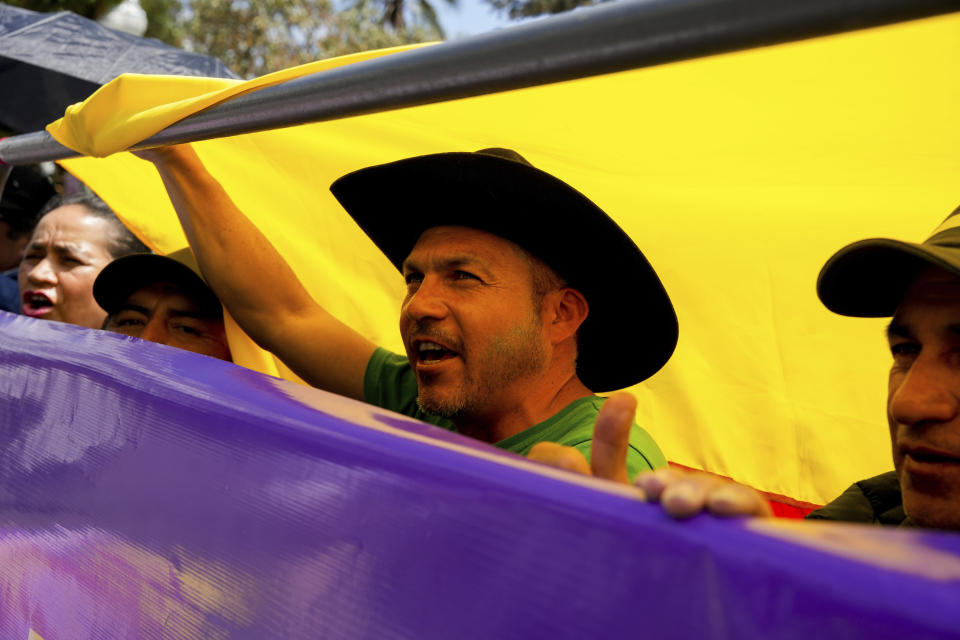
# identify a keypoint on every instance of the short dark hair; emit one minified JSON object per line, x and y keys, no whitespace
{"x":23,"y":198}
{"x":123,"y":241}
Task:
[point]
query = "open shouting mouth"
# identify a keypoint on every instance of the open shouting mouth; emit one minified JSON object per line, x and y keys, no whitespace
{"x":36,"y":304}
{"x":429,"y":352}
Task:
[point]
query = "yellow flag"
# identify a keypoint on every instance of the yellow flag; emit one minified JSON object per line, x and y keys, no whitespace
{"x":738,"y":175}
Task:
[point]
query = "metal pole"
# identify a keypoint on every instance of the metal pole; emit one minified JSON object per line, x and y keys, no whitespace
{"x":610,"y":37}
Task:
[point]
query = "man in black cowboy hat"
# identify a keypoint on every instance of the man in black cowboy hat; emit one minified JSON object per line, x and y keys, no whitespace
{"x":515,"y":313}
{"x":162,"y":299}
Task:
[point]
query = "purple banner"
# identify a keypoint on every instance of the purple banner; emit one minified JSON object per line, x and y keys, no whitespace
{"x":149,"y":492}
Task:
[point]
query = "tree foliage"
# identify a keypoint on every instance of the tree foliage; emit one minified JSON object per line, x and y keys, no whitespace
{"x":164,"y":20}
{"x":254,"y":37}
{"x":257,"y":37}
{"x":394,"y":13}
{"x":528,"y":8}
{"x":92,"y":9}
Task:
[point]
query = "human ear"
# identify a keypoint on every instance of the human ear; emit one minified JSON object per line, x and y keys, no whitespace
{"x":567,"y":310}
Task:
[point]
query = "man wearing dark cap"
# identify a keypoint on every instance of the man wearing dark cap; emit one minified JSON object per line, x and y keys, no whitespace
{"x":25,"y":194}
{"x":162,"y":299}
{"x":918,"y":285}
{"x":515,"y":312}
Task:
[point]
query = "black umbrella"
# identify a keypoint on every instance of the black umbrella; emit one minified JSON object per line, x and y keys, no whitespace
{"x":49,"y":61}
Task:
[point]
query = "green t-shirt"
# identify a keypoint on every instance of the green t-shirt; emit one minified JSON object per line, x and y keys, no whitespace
{"x":390,"y":383}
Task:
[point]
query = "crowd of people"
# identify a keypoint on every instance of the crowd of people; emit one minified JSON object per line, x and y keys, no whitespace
{"x":70,"y":259}
{"x":505,"y":327}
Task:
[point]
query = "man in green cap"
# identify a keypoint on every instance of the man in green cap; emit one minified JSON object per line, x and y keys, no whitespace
{"x":516,"y":311}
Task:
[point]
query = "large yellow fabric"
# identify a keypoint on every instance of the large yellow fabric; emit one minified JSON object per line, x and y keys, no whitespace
{"x":738,"y":175}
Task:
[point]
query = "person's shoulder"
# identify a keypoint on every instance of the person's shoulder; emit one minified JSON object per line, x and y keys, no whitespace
{"x":874,"y":500}
{"x":9,"y":292}
{"x":385,"y":359}
{"x":387,"y":381}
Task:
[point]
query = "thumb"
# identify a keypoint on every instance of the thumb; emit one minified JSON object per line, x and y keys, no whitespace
{"x":611,"y":437}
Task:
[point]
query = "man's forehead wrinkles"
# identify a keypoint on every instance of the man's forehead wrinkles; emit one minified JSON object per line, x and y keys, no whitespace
{"x":443,"y":260}
{"x":68,"y":246}
{"x":926,"y":316}
{"x":934,"y":285}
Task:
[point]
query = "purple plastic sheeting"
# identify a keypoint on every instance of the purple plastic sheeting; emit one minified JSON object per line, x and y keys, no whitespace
{"x":148,"y":492}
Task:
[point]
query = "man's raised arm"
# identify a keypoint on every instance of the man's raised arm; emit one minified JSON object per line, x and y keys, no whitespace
{"x":254,"y":282}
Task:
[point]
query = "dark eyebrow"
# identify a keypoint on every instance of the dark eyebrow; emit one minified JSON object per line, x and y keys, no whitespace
{"x":898,"y":330}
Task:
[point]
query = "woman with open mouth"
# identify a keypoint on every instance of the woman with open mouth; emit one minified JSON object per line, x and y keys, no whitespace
{"x":72,"y":242}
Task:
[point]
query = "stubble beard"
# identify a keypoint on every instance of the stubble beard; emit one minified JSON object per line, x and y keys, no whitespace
{"x":514,"y":356}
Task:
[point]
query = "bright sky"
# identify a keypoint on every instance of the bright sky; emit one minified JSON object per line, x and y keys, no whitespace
{"x":469,"y":18}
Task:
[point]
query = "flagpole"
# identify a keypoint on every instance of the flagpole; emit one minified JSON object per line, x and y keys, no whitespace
{"x":610,"y":37}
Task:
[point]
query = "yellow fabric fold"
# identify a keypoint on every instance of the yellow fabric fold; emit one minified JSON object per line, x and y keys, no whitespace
{"x":738,"y":175}
{"x":133,"y":107}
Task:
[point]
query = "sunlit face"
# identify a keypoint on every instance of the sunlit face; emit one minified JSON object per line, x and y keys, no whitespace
{"x":468,"y":322}
{"x":68,"y":249}
{"x":924,"y":399}
{"x":166,"y":314}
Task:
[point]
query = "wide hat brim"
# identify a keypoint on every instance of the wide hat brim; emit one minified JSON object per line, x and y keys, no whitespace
{"x":869,"y":278}
{"x":631,"y":329}
{"x":127,"y":274}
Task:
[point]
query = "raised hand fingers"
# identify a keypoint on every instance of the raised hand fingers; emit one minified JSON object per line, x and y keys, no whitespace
{"x":611,"y":438}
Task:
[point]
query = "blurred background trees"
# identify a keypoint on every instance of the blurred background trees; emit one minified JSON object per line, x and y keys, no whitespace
{"x":254,"y":37}
{"x":257,"y":37}
{"x":528,"y":8}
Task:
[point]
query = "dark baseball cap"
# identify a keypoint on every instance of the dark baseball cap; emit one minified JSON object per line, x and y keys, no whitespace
{"x":132,"y":272}
{"x":868,"y":278}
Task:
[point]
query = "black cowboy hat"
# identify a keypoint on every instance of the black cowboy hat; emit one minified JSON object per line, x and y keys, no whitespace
{"x":125,"y":275}
{"x":867,"y":279}
{"x":631,"y":329}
